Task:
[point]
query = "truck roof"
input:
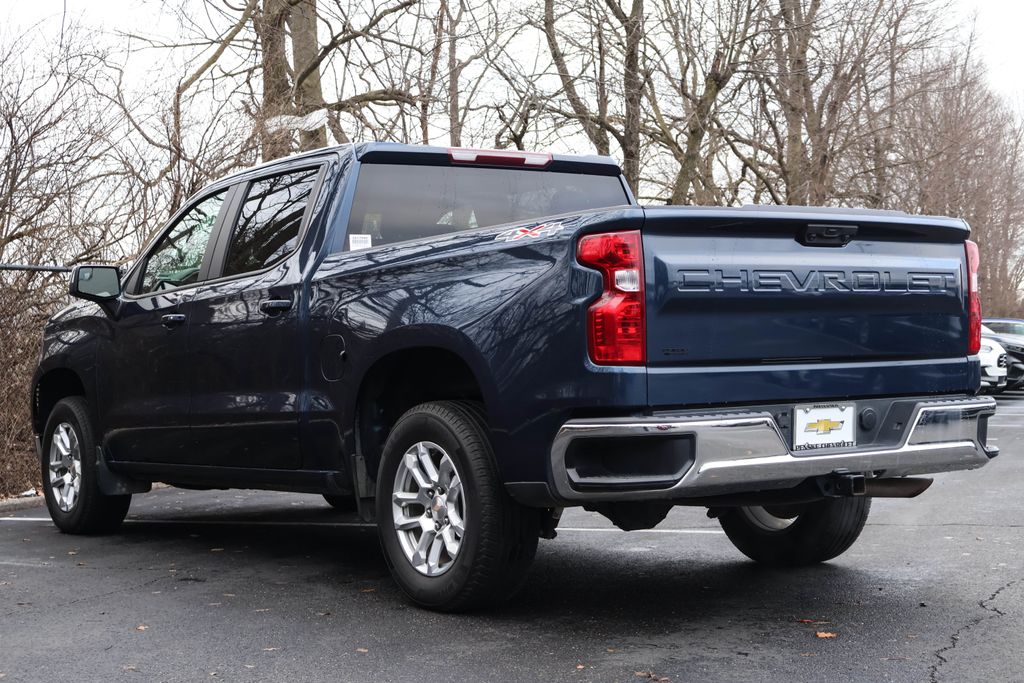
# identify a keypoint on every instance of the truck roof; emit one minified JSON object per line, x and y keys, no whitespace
{"x":427,"y":155}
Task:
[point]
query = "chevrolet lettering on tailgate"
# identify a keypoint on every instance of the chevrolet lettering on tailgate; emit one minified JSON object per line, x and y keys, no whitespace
{"x":821,"y":281}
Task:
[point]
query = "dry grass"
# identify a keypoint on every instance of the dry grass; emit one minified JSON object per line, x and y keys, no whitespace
{"x":21,"y":323}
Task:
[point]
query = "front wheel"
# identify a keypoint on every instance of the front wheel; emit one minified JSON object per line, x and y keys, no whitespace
{"x":70,"y":479}
{"x":791,"y":535}
{"x":453,"y":538}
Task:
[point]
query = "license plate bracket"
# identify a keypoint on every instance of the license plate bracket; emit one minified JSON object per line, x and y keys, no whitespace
{"x":819,"y":426}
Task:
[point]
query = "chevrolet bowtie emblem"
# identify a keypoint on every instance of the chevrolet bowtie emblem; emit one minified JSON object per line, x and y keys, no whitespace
{"x":823,"y":426}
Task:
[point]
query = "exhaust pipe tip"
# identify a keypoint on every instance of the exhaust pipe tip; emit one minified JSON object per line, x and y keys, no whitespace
{"x":903,"y":487}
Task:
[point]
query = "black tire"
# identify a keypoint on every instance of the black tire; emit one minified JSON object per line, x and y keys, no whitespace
{"x":342,"y":503}
{"x":91,"y":512}
{"x":500,"y":537}
{"x":820,"y":531}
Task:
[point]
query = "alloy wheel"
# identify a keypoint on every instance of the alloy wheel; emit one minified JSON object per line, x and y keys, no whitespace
{"x":429,"y":508}
{"x":65,"y":466}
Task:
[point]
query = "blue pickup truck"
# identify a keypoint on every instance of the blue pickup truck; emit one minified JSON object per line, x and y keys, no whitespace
{"x":461,"y":343}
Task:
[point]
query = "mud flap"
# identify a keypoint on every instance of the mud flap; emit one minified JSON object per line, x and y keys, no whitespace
{"x":113,"y":484}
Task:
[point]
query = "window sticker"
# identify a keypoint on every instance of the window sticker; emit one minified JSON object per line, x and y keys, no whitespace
{"x":357,"y":242}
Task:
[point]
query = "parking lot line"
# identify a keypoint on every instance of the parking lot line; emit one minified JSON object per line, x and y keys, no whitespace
{"x":644,"y":531}
{"x":362,"y":525}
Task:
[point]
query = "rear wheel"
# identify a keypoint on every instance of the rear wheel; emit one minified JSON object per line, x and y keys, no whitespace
{"x":70,"y":478}
{"x":796,"y":534}
{"x":452,"y":536}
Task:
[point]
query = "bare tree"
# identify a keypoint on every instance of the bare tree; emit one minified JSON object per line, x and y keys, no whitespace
{"x":700,"y":56}
{"x":605,"y":39}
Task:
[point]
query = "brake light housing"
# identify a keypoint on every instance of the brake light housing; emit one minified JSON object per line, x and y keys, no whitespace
{"x":973,"y":299}
{"x":498,"y":157}
{"x":616,"y":322}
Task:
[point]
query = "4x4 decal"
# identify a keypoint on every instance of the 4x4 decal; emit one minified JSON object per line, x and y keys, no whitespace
{"x":542,"y":230}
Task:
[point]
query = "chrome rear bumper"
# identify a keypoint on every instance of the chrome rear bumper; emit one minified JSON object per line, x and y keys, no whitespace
{"x":736,"y":452}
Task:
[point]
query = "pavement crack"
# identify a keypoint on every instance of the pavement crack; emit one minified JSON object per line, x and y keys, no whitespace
{"x":84,"y":598}
{"x":954,"y":639}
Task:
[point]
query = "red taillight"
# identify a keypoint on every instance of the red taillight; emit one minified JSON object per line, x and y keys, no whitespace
{"x":973,"y":300}
{"x":615,"y":322}
{"x":498,"y":157}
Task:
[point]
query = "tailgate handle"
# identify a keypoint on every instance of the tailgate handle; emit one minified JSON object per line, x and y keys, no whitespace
{"x":818,"y":235}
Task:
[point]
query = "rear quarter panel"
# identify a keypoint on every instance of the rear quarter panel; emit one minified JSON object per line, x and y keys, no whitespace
{"x":513,"y":310}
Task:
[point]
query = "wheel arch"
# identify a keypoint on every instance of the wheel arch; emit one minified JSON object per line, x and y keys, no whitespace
{"x":51,"y":386}
{"x":405,"y":376}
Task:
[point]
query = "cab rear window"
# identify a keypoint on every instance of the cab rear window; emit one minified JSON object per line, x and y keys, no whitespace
{"x":395,"y":203}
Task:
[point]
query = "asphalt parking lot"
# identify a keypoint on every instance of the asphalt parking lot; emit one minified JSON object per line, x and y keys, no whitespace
{"x":255,"y":586}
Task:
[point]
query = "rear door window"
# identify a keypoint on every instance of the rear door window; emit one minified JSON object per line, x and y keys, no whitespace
{"x":395,"y":203}
{"x":269,"y":221}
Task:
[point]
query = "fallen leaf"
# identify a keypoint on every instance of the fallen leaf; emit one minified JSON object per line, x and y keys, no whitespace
{"x":362,"y":649}
{"x":129,"y":667}
{"x":825,"y":634}
{"x":368,"y":590}
{"x":610,"y":649}
{"x":141,"y":627}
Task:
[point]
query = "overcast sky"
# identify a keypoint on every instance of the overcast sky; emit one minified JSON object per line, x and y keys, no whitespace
{"x":998,"y":28}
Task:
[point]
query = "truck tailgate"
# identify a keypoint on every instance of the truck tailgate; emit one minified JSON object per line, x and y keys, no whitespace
{"x":761,"y":289}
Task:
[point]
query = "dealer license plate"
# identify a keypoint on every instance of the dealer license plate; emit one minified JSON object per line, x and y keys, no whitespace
{"x":824,"y":425}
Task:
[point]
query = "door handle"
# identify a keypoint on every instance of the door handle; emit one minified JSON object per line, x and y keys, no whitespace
{"x":275,"y":306}
{"x":172,"y":319}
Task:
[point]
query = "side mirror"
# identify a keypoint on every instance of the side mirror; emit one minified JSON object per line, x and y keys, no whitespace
{"x":95,"y":283}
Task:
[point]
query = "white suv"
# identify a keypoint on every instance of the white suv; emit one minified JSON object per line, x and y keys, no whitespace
{"x":993,"y":365}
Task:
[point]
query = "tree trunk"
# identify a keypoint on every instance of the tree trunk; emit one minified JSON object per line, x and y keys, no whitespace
{"x":270,"y":29}
{"x":454,"y":72}
{"x":632,"y":82}
{"x":309,"y":95}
